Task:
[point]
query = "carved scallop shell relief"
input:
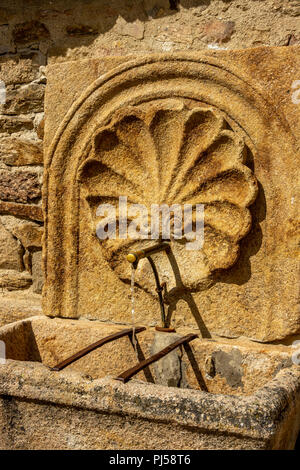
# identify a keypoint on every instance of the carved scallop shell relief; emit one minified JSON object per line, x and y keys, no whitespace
{"x":173,"y":155}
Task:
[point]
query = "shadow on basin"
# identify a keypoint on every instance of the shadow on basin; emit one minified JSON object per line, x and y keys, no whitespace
{"x":20,"y":343}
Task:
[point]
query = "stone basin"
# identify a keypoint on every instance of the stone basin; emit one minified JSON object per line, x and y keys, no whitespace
{"x":214,"y":394}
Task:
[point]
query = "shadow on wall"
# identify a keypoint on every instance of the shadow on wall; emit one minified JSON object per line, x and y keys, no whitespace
{"x":238,"y":274}
{"x":44,"y":29}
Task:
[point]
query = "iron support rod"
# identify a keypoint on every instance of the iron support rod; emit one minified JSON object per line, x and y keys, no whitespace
{"x":159,"y":291}
{"x":93,"y":346}
{"x":125,"y":376}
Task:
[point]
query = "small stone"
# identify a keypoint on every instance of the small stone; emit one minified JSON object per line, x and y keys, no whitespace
{"x":220,"y":31}
{"x":24,"y":99}
{"x":19,"y":152}
{"x":19,"y":186}
{"x":29,"y":234}
{"x":293,"y":40}
{"x":168,"y":370}
{"x":37,"y":272}
{"x":135,"y":29}
{"x":14,"y":280}
{"x":27,"y":261}
{"x":28,"y":211}
{"x":21,"y":71}
{"x":39,"y":123}
{"x":12,"y":124}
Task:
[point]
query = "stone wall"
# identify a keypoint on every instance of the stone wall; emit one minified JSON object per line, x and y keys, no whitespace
{"x":36,"y":33}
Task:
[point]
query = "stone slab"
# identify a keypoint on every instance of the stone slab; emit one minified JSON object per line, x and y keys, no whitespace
{"x":246,"y":281}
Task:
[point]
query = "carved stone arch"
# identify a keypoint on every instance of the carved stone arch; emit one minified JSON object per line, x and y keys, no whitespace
{"x":207,"y":81}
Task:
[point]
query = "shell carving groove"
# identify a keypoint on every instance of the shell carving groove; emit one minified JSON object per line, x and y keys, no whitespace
{"x":173,"y":155}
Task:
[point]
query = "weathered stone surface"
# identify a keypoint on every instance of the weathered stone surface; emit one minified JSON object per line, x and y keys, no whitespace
{"x":37,"y":272}
{"x":30,"y":32}
{"x":28,"y":211}
{"x":21,"y":71}
{"x":249,"y":268}
{"x":27,"y":98}
{"x":168,"y":371}
{"x":5,"y":40}
{"x":10,"y":251}
{"x":19,"y":185}
{"x":29,"y":234}
{"x":11,"y":124}
{"x":79,"y":408}
{"x":27,"y":260}
{"x":20,"y":152}
{"x":219,"y":31}
{"x":14,"y":280}
{"x":135,"y":30}
{"x":293,"y":40}
{"x":18,"y":305}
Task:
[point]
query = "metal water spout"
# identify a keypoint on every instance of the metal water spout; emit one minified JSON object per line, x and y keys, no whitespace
{"x":135,"y":256}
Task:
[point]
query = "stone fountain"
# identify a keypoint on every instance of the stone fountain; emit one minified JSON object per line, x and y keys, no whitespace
{"x":219,"y":129}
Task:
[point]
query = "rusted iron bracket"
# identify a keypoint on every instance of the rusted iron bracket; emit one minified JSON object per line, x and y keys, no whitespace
{"x":125,"y":376}
{"x":97,"y":344}
{"x":134,"y":258}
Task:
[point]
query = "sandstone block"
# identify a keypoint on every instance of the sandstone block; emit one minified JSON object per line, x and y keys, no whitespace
{"x":29,"y":234}
{"x":20,"y":152}
{"x":11,"y":124}
{"x":135,"y":29}
{"x":26,"y":98}
{"x":28,"y":211}
{"x":18,"y":71}
{"x":19,"y":186}
{"x":13,"y":280}
{"x":16,"y":306}
{"x":237,"y":155}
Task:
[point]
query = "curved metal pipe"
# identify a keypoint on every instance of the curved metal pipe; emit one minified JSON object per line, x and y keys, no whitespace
{"x":134,"y":258}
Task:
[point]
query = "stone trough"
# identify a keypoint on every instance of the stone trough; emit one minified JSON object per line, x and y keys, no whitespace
{"x":223,"y":394}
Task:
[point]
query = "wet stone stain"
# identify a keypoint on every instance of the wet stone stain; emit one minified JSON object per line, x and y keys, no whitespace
{"x":228,"y":365}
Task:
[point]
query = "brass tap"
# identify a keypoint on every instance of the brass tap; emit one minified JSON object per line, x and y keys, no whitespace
{"x":135,"y":256}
